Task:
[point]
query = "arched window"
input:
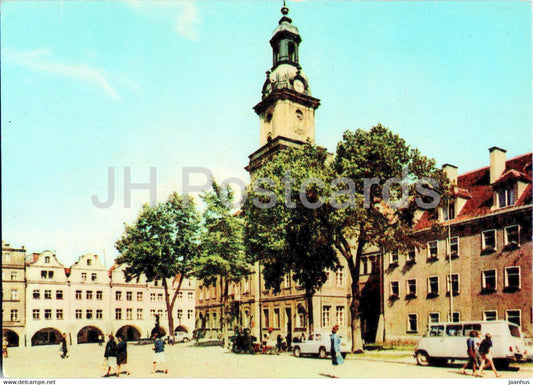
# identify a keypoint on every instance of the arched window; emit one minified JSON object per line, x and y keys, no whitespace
{"x":292,"y":51}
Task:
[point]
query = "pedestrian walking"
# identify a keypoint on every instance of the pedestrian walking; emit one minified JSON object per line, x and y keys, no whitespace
{"x":472,"y":350}
{"x":159,"y":353}
{"x":4,"y":347}
{"x":485,"y":349}
{"x":110,"y":355}
{"x":63,"y":349}
{"x":122,"y":354}
{"x":336,"y":355}
{"x":100,"y":340}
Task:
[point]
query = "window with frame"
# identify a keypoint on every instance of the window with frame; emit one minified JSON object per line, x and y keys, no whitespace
{"x":180,"y":295}
{"x":139,"y":296}
{"x":506,"y":197}
{"x":326,"y":316}
{"x":489,"y":280}
{"x":84,"y":276}
{"x":99,"y":295}
{"x":412,"y":323}
{"x":14,"y":315}
{"x":14,"y":295}
{"x":394,"y":289}
{"x":301,"y":318}
{"x":513,"y":316}
{"x":129,"y":314}
{"x":449,"y":211}
{"x":99,"y":314}
{"x":490,"y":315}
{"x":14,"y":275}
{"x":79,"y":314}
{"x":118,"y":313}
{"x":36,"y":294}
{"x":433,"y":250}
{"x":489,"y":240}
{"x":455,"y":317}
{"x":139,"y":314}
{"x":152,"y":297}
{"x":339,"y":315}
{"x":364,"y":262}
{"x":435,"y":331}
{"x":89,"y":294}
{"x":129,"y":296}
{"x":59,"y":314}
{"x":433,"y":286}
{"x":89,"y":262}
{"x":512,"y":235}
{"x":78,"y":294}
{"x":411,"y":288}
{"x":276,"y":319}
{"x":339,"y":277}
{"x":50,"y":274}
{"x":266,"y":318}
{"x":454,"y":282}
{"x":118,"y":295}
{"x":454,"y":246}
{"x":159,"y":296}
{"x":433,"y":318}
{"x":94,"y":277}
{"x":512,"y":278}
{"x":287,"y":281}
{"x":454,"y":330}
{"x":189,"y":314}
{"x":59,"y":294}
{"x":411,"y":256}
{"x":152,"y":313}
{"x":190,"y":295}
{"x":48,"y":294}
{"x":44,"y":274}
{"x":46,"y":259}
{"x":179,"y":314}
{"x":89,"y":314}
{"x":36,"y":313}
{"x":394,"y":259}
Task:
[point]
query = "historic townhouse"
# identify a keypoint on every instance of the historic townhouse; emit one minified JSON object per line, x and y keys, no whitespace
{"x":13,"y":293}
{"x":89,"y":295}
{"x":47,"y":301}
{"x":85,"y":301}
{"x":479,"y":265}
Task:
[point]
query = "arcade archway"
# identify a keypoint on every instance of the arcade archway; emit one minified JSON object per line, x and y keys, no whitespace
{"x":11,"y":336}
{"x":89,"y":335}
{"x":181,"y":328}
{"x":46,"y":336}
{"x":130,"y":332}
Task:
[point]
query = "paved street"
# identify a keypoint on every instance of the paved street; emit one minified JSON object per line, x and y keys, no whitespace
{"x":188,"y":361}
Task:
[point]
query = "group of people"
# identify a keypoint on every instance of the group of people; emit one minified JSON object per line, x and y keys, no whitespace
{"x":116,"y":355}
{"x":479,"y":354}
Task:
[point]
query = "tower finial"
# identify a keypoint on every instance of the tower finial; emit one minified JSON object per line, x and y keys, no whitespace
{"x":284,"y":9}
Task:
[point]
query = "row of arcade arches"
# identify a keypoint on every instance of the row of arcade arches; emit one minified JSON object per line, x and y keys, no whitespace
{"x":86,"y":335}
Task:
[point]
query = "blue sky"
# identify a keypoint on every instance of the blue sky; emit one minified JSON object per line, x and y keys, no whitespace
{"x":88,"y":85}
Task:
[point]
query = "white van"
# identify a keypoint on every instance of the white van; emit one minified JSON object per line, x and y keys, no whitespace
{"x":447,"y":341}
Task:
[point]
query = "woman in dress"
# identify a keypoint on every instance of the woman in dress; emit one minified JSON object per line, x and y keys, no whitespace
{"x":336,"y":355}
{"x":122,"y":354}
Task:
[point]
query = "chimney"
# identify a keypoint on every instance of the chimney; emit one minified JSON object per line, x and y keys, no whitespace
{"x":497,"y":163}
{"x":451,"y":172}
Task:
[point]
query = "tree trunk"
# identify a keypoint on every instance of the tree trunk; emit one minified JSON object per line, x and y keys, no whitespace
{"x":309,"y":301}
{"x":170,"y":303}
{"x":353,"y":266}
{"x":224,"y":314}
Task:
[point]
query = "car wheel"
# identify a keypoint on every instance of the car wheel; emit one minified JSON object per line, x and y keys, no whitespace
{"x":322,"y":352}
{"x":422,"y":358}
{"x":502,"y":363}
{"x":297,"y":351}
{"x":185,"y":340}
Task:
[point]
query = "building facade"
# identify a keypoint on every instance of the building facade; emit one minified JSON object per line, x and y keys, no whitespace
{"x":86,"y":301}
{"x":13,"y":293}
{"x":478,"y":266}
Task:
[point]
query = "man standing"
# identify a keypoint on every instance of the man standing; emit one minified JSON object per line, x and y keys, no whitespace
{"x":485,"y":349}
{"x":64,"y":349}
{"x":472,"y":346}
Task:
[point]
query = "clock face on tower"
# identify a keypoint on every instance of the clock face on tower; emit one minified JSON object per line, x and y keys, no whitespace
{"x":299,"y":86}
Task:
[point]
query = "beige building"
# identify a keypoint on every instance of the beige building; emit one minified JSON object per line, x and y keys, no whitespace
{"x":13,"y":294}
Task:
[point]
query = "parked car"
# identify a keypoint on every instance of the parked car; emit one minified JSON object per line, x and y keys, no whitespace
{"x":447,"y":341}
{"x":182,"y":337}
{"x":318,"y":344}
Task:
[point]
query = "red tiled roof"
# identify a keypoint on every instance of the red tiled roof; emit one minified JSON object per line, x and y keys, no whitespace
{"x":477,"y":184}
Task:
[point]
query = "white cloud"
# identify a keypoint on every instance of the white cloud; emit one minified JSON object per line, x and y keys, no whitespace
{"x":39,"y":60}
{"x":188,"y":21}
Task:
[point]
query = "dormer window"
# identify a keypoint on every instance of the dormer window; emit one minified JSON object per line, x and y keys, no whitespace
{"x":89,"y":262}
{"x":449,"y":211}
{"x":506,"y":197}
{"x":46,"y":259}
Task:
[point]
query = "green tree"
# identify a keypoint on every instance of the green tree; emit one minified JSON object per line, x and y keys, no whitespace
{"x":221,"y":259}
{"x":373,"y":220}
{"x":160,"y":245}
{"x":292,"y":237}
